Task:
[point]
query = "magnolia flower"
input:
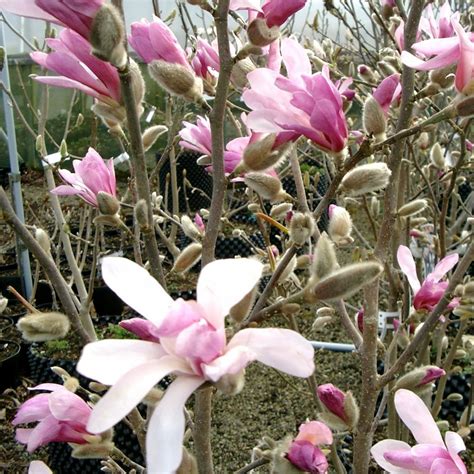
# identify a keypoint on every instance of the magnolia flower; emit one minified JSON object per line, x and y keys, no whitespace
{"x":192,"y":345}
{"x":75,"y":14}
{"x":431,"y":455}
{"x":388,"y":92}
{"x":276,"y":12}
{"x":206,"y":60}
{"x":304,"y":451}
{"x":62,"y":416}
{"x":92,"y":175}
{"x":427,"y":295}
{"x":300,"y":104}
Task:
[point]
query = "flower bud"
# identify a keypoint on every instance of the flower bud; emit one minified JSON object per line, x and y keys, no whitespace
{"x":423,"y":140}
{"x":141,"y":214}
{"x":413,"y":207}
{"x":340,"y":225}
{"x":303,"y":261}
{"x":258,"y":156}
{"x":239,"y":73}
{"x":324,"y":260}
{"x":301,"y":228}
{"x":71,"y":384}
{"x":366,"y":73}
{"x":268,"y":187}
{"x":188,"y":462}
{"x":3,"y":303}
{"x":112,"y":116}
{"x":231,"y":384}
{"x":340,"y":404}
{"x":346,"y":281}
{"x":437,"y":156}
{"x":188,"y":258}
{"x":289,"y":309}
{"x":320,"y":322}
{"x":239,"y":311}
{"x":98,"y":450}
{"x":39,"y":327}
{"x":190,"y":229}
{"x":107,"y":36}
{"x":280,"y":210}
{"x":374,"y":119}
{"x":366,"y":179}
{"x":63,"y":149}
{"x":42,"y":238}
{"x":151,"y":134}
{"x":419,"y":377}
{"x":176,"y":79}
{"x":260,"y":34}
{"x":108,"y":204}
{"x":465,"y":108}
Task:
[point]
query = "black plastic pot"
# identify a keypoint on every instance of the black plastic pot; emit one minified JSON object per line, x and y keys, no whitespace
{"x":106,"y":301}
{"x":43,"y":296}
{"x":6,"y":324}
{"x":9,"y":363}
{"x":452,"y":410}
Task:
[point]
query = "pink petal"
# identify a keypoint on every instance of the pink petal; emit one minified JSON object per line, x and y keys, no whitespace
{"x":65,"y":190}
{"x":44,"y":432}
{"x":245,"y":4}
{"x":34,"y":409}
{"x":445,"y":466}
{"x":233,"y":361}
{"x":443,"y":59}
{"x":223,"y":283}
{"x":109,"y":360}
{"x":416,"y":416}
{"x":136,"y":287}
{"x":164,"y":441}
{"x":455,"y":444}
{"x":389,"y":445}
{"x":295,"y":58}
{"x":315,"y":432}
{"x":296,"y":358}
{"x":26,"y":8}
{"x":443,"y":267}
{"x":22,"y":435}
{"x":426,"y":454}
{"x":61,"y":81}
{"x":130,"y":390}
{"x":67,"y":406}
{"x":407,"y":264}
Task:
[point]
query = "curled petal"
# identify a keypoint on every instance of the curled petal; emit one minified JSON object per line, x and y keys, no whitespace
{"x":407,"y":264}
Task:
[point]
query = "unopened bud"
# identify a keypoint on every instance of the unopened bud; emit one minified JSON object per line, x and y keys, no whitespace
{"x":92,"y":450}
{"x":239,"y":72}
{"x":231,"y":384}
{"x":366,"y":73}
{"x":71,"y":384}
{"x":239,"y":311}
{"x":366,"y":179}
{"x":346,"y":281}
{"x":303,"y":261}
{"x":423,"y":140}
{"x":340,"y":225}
{"x":340,"y":404}
{"x":107,"y":36}
{"x":325,"y":311}
{"x":437,"y":156}
{"x":374,"y":119}
{"x":3,"y":303}
{"x":442,"y":77}
{"x":42,"y":238}
{"x":98,"y":387}
{"x":39,"y":327}
{"x":374,"y":206}
{"x":465,"y":108}
{"x":79,"y":120}
{"x":260,"y":34}
{"x":153,"y":397}
{"x":64,"y":374}
{"x":419,"y":377}
{"x":320,"y":323}
{"x":176,"y":79}
{"x":190,"y":229}
{"x":280,"y":210}
{"x":188,"y":258}
{"x":253,"y":207}
{"x":108,"y":204}
{"x":412,"y":208}
{"x":268,"y":187}
{"x":455,"y":397}
{"x":301,"y":228}
{"x":151,"y":134}
{"x":63,"y":149}
{"x":324,"y":260}
{"x":289,"y":309}
{"x":188,"y":462}
{"x":141,"y":214}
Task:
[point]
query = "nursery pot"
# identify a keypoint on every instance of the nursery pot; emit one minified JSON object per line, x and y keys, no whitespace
{"x":9,"y":363}
{"x":106,"y":302}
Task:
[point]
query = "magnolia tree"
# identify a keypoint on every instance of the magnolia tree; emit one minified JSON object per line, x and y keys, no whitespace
{"x":385,"y":115}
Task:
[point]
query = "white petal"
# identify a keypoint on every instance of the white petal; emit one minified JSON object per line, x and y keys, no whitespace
{"x":136,"y":287}
{"x":129,"y":391}
{"x":39,"y":467}
{"x":231,"y":362}
{"x":455,"y":444}
{"x":164,"y":440}
{"x":108,"y":360}
{"x":281,"y":349}
{"x":407,"y":264}
{"x":384,"y":446}
{"x":223,"y":283}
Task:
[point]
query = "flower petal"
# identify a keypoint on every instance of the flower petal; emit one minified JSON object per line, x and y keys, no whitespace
{"x":416,"y":416}
{"x":130,"y":390}
{"x":39,"y":467}
{"x":231,"y":362}
{"x":136,"y":287}
{"x":43,"y":433}
{"x":223,"y":283}
{"x":407,"y":264}
{"x":166,"y":428}
{"x":108,"y":360}
{"x":389,"y":445}
{"x":281,"y":349}
{"x":67,"y":406}
{"x":443,"y":267}
{"x":455,"y":444}
{"x":444,"y":466}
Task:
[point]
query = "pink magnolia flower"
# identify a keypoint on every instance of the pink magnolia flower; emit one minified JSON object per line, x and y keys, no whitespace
{"x":445,"y":52}
{"x":206,"y":60}
{"x":276,"y":12}
{"x":300,"y":104}
{"x":427,"y":295}
{"x":388,"y":92}
{"x":431,"y":455}
{"x":333,"y":399}
{"x":192,"y":346}
{"x":62,"y":416}
{"x":75,"y":14}
{"x":441,"y":28}
{"x":91,"y":176}
{"x":245,"y":5}
{"x":304,"y":452}
{"x":197,"y":136}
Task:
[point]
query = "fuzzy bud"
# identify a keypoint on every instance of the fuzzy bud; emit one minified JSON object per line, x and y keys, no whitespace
{"x":260,"y":34}
{"x":366,"y":179}
{"x":346,"y":281}
{"x":92,"y":450}
{"x":239,"y":311}
{"x":71,"y":384}
{"x":437,"y":156}
{"x":465,"y":108}
{"x":374,"y":119}
{"x":320,"y":323}
{"x":419,"y":377}
{"x":107,"y":36}
{"x":254,"y":207}
{"x":190,"y":229}
{"x":340,"y":225}
{"x":375,"y":206}
{"x":3,"y":303}
{"x":289,"y":309}
{"x":141,"y":214}
{"x":423,"y":140}
{"x":188,"y":258}
{"x":97,"y":387}
{"x":324,"y":260}
{"x":413,"y":207}
{"x":339,"y":404}
{"x":39,"y":327}
{"x":176,"y":79}
{"x":231,"y":384}
{"x":108,"y":204}
{"x":443,"y":78}
{"x":259,"y":156}
{"x":366,"y":73}
{"x":280,"y":210}
{"x":151,"y":134}
{"x":42,"y":238}
{"x":268,"y":187}
{"x":239,"y":73}
{"x":301,"y":228}
{"x":188,"y":464}
{"x":63,"y":149}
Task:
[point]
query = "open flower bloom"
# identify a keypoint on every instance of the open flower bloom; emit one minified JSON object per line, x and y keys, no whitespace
{"x":300,"y":104}
{"x":92,"y":175}
{"x":431,"y":455}
{"x":206,"y":60}
{"x":427,"y":295}
{"x":77,"y":68}
{"x":192,"y":346}
{"x":444,"y":52}
{"x":304,"y":452}
{"x":62,"y":416}
{"x":75,"y":14}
